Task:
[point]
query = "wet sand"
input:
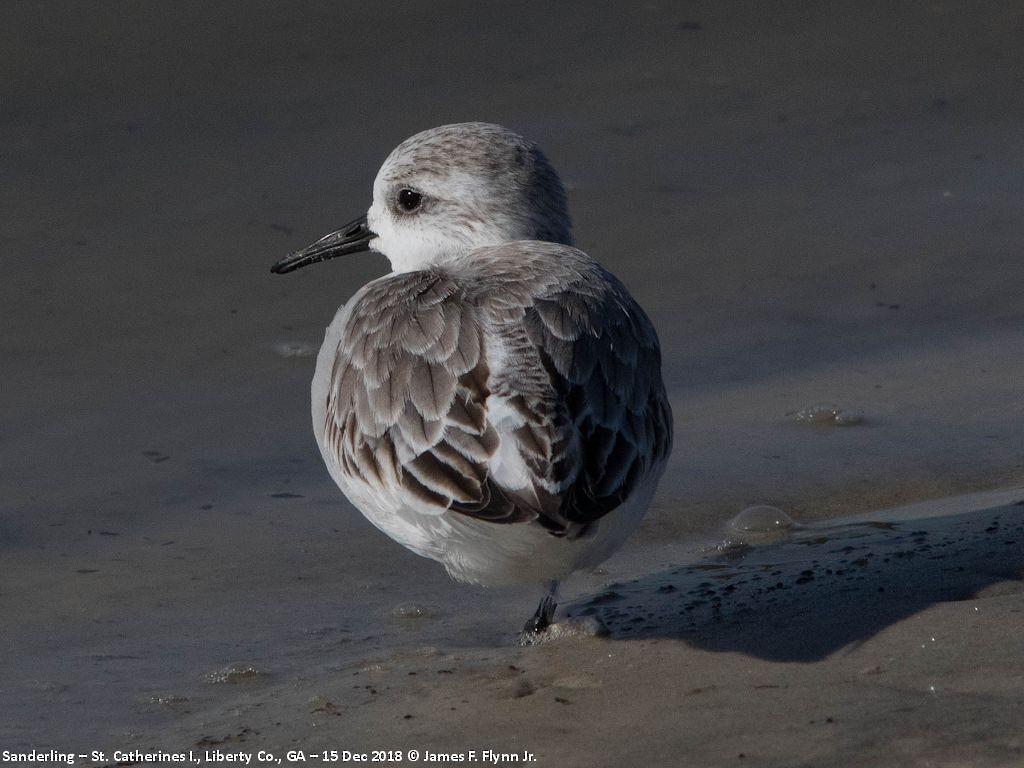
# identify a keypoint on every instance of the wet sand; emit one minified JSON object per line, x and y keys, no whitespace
{"x":815,"y":207}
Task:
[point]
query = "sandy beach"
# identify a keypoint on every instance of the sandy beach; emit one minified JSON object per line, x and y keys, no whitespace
{"x":820,"y":208}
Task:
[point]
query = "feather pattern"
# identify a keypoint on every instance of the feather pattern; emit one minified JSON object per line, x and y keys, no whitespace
{"x":523,"y":386}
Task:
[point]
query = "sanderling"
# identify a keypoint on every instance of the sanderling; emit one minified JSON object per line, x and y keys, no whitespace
{"x":496,"y":402}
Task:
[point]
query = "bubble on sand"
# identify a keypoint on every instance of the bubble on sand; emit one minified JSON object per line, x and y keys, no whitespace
{"x":235,"y":673}
{"x":828,"y":415}
{"x":757,"y":525}
{"x":294,"y":348}
{"x":762,"y":519}
{"x":168,"y":701}
{"x":414,"y":611}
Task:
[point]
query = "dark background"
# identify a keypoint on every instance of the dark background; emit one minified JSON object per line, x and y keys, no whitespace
{"x":815,"y":202}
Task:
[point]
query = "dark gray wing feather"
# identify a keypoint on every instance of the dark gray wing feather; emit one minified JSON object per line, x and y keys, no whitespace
{"x":589,"y":385}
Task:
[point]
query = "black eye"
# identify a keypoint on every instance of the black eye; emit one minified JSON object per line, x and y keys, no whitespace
{"x":408,"y":200}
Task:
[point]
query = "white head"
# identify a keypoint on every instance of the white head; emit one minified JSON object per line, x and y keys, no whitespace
{"x":448,"y":190}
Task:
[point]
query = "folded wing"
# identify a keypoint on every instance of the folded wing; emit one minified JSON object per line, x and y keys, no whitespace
{"x":528,"y":388}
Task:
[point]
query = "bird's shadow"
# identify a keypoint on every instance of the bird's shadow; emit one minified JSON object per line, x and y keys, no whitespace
{"x":822,"y":589}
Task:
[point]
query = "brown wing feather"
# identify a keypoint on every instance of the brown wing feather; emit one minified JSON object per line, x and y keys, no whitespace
{"x":408,"y":394}
{"x":411,"y":386}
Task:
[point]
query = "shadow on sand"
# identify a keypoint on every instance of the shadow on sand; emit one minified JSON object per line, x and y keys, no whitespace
{"x":823,"y":588}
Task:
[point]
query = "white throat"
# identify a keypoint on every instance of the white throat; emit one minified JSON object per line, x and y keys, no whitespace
{"x":411,"y":245}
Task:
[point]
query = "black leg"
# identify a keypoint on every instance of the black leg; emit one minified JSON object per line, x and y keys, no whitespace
{"x":541,"y":620}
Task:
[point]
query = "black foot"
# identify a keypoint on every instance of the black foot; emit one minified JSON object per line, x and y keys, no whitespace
{"x":541,"y":620}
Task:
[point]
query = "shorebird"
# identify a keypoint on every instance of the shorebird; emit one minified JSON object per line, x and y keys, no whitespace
{"x":495,"y":403}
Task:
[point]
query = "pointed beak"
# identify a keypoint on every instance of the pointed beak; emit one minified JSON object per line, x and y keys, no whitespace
{"x":355,"y":237}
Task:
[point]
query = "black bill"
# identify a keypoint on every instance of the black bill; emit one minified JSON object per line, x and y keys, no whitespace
{"x":352,"y":238}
